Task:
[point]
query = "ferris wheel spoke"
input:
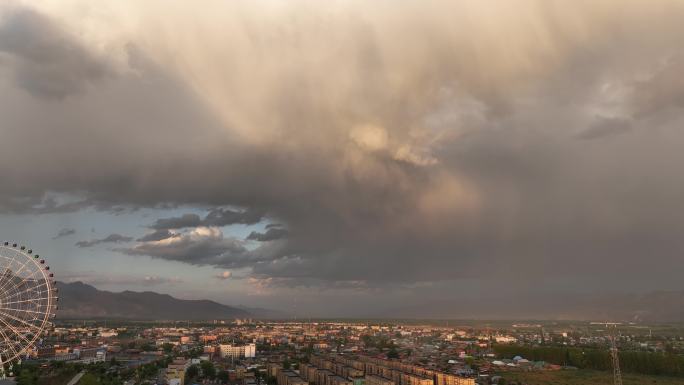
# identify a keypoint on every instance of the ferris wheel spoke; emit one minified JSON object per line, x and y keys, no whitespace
{"x":16,"y":332}
{"x":32,"y":300}
{"x":24,"y":264}
{"x":10,"y":344}
{"x":25,"y":282}
{"x":36,"y":275}
{"x":23,"y":287}
{"x":30,"y":325}
{"x":21,"y":310}
{"x":24,"y":322}
{"x":29,"y":290}
{"x":39,"y":301}
{"x":28,"y":296}
{"x":11,"y":279}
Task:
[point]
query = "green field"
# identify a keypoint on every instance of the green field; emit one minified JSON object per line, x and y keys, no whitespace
{"x":585,"y":377}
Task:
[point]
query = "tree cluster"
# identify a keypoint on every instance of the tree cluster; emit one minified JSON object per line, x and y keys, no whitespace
{"x":598,"y":359}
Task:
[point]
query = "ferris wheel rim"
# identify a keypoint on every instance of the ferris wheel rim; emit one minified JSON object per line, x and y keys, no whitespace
{"x":27,"y":301}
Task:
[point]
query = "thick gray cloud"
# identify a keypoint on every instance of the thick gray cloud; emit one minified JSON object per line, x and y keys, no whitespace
{"x":399,"y":144}
{"x":270,"y":235}
{"x":216,"y":217}
{"x":47,"y":62}
{"x":112,"y":238}
{"x":156,"y":235}
{"x":186,"y":220}
{"x":64,"y":233}
{"x":223,"y":217}
{"x":201,"y":246}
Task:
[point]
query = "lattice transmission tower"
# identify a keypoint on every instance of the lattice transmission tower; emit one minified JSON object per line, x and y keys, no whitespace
{"x":617,"y":375}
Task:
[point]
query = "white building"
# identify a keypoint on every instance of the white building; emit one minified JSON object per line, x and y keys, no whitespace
{"x":108,"y":333}
{"x":91,"y":355}
{"x":241,"y":351}
{"x":505,"y":339}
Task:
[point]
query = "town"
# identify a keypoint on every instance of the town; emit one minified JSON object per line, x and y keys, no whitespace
{"x":252,"y":352}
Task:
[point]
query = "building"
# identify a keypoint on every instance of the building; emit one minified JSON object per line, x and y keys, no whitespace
{"x":338,"y":380}
{"x":322,"y":376}
{"x":365,"y":370}
{"x":450,"y":379}
{"x":175,"y":372}
{"x":66,"y":357}
{"x":413,"y":379}
{"x":91,"y":355}
{"x":297,"y":381}
{"x":238,"y":351}
{"x":272,"y":369}
{"x":377,"y":380}
{"x":288,"y":377}
{"x":206,"y":338}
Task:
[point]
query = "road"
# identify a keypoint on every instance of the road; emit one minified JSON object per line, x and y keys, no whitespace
{"x":76,"y":378}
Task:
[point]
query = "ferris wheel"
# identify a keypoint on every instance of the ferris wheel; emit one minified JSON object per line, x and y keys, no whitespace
{"x":28,"y":301}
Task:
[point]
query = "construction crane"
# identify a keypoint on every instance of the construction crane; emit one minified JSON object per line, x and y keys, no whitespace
{"x":612,"y":336}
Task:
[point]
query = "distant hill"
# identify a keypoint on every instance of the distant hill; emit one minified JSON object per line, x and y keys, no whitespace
{"x":78,"y":300}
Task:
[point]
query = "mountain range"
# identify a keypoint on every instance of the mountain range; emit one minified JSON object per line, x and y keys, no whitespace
{"x":78,"y":300}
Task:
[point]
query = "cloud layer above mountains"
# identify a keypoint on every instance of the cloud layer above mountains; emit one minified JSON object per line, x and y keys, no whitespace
{"x":398,"y":142}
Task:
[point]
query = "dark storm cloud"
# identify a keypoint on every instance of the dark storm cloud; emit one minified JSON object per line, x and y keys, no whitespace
{"x":216,"y":217}
{"x":394,"y":146}
{"x":202,"y":246}
{"x":64,"y":232}
{"x":112,"y":238}
{"x":156,"y":235}
{"x":47,"y":62}
{"x":270,"y":235}
{"x":207,"y":246}
{"x":45,"y":203}
{"x":186,"y":220}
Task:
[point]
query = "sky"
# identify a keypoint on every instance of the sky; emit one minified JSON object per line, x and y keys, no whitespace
{"x":347,"y":158}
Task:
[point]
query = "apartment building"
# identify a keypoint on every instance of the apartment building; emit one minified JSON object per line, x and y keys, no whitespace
{"x":175,"y":372}
{"x":377,"y":380}
{"x":238,"y":351}
{"x":376,"y":371}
